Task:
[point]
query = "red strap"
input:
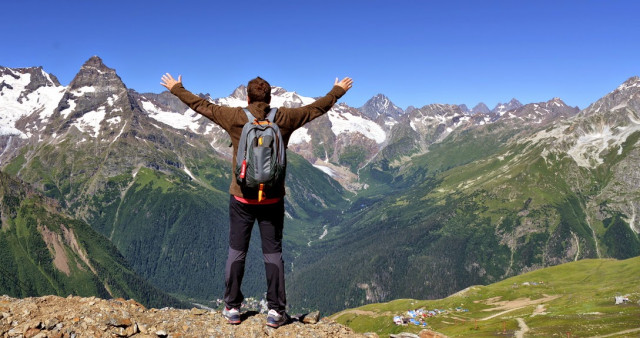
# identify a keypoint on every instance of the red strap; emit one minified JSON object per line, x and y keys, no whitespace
{"x":252,"y":201}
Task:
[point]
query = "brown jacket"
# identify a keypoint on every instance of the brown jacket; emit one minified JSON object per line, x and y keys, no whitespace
{"x":232,"y":119}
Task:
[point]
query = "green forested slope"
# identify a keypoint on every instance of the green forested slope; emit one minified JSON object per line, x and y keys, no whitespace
{"x":44,"y":252}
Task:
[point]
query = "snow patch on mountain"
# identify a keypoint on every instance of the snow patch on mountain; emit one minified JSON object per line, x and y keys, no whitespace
{"x":341,"y":121}
{"x":279,"y":98}
{"x":65,"y":112}
{"x":114,"y":120}
{"x":111,"y":99}
{"x":390,"y":122}
{"x":186,"y":121}
{"x":121,"y":130}
{"x":326,"y":170}
{"x":90,"y":122}
{"x":301,"y":135}
{"x":14,"y":105}
{"x":188,"y":172}
{"x":83,"y":90}
{"x":230,"y":102}
{"x":345,"y":122}
{"x":288,"y":99}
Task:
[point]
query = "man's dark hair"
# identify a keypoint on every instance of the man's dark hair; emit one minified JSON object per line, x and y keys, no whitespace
{"x":259,"y":90}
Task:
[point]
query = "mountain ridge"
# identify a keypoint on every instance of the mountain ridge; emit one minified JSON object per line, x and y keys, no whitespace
{"x":539,"y":185}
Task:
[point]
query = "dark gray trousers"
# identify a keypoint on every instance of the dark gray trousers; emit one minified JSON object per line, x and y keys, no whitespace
{"x":270,"y":219}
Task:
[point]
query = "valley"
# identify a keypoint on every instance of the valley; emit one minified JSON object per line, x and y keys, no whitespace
{"x":454,"y":196}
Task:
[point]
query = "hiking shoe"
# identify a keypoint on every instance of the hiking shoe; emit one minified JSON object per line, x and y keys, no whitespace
{"x":232,"y":315}
{"x":275,"y":319}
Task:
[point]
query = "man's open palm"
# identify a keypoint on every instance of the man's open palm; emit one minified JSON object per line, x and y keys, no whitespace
{"x":345,"y":83}
{"x":168,"y":81}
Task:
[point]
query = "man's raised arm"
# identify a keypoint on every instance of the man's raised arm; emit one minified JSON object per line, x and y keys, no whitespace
{"x":297,"y":117}
{"x":212,"y":111}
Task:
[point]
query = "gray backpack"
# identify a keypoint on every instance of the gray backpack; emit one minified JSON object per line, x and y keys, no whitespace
{"x":261,"y":159}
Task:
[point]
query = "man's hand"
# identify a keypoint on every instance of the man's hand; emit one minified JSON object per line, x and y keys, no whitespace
{"x":345,"y":83}
{"x":168,"y":81}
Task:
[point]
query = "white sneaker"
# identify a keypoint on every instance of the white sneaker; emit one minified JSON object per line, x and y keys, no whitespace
{"x":275,"y":319}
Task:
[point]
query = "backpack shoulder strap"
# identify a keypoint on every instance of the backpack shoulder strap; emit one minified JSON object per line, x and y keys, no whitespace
{"x":272,"y":115}
{"x":250,"y":116}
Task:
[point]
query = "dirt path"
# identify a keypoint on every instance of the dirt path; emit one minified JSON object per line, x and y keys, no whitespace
{"x":512,"y":305}
{"x":503,"y":312}
{"x":523,"y":328}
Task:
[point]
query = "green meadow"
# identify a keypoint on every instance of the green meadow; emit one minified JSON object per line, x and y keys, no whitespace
{"x":575,"y":299}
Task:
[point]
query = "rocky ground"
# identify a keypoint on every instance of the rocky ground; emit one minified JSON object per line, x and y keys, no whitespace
{"x":58,"y":317}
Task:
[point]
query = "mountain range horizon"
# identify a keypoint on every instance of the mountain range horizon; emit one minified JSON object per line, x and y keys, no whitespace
{"x":479,"y":107}
{"x":424,"y":201}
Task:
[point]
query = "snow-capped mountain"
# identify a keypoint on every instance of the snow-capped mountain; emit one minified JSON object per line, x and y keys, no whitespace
{"x":380,"y":108}
{"x":602,"y":127}
{"x":502,"y":108}
{"x":434,"y":122}
{"x":25,"y":92}
{"x":540,"y":113}
{"x":97,"y":105}
{"x":152,"y":175}
{"x":321,"y":142}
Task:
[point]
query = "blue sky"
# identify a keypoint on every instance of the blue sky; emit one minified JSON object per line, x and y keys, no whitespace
{"x":414,"y":52}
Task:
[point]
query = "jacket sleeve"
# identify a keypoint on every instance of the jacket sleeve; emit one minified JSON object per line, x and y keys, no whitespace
{"x":223,"y":116}
{"x":294,"y":118}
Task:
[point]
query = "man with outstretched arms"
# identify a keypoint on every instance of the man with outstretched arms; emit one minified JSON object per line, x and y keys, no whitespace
{"x":244,"y":205}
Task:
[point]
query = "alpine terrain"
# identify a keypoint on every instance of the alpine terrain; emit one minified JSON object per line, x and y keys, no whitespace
{"x":382,"y":203}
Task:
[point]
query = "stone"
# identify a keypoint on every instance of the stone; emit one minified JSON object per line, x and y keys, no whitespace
{"x":198,"y":312}
{"x":31,"y":332}
{"x":131,"y":330}
{"x":311,"y":318}
{"x":51,"y":323}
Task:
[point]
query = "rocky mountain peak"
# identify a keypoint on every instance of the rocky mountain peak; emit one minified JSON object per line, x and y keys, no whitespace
{"x":240,"y":93}
{"x":541,"y":113}
{"x":97,"y":63}
{"x":37,"y":78}
{"x":502,"y":108}
{"x":633,"y":81}
{"x":480,"y":108}
{"x":40,"y":78}
{"x":96,"y":100}
{"x":94,"y":73}
{"x":277,"y":91}
{"x":380,"y":105}
{"x":626,"y":95}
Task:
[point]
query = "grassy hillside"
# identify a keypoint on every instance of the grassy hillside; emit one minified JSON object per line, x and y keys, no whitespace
{"x":575,"y":298}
